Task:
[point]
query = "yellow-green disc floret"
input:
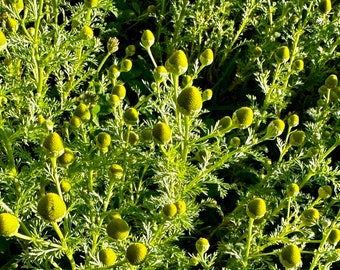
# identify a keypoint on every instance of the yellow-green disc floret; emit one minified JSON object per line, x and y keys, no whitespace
{"x":125,"y":65}
{"x":207,"y":94}
{"x":225,"y":122}
{"x":177,"y":63}
{"x":170,"y":210}
{"x":136,"y":253}
{"x":118,"y":229}
{"x":292,"y":190}
{"x":325,"y":6}
{"x":3,"y":41}
{"x":334,"y":236}
{"x":243,"y":117}
{"x":146,"y":135}
{"x":83,"y":112}
{"x":67,"y":157}
{"x":148,"y":39}
{"x":75,"y":121}
{"x":207,"y":57}
{"x":86,"y":32}
{"x":190,"y":101}
{"x":202,"y":245}
{"x":131,"y":137}
{"x":256,"y":208}
{"x":161,"y":133}
{"x":130,"y":50}
{"x":160,"y":74}
{"x":290,"y":256}
{"x":107,"y":256}
{"x":325,"y":191}
{"x":9,"y":224}
{"x":235,"y":142}
{"x":181,"y":207}
{"x":275,"y":128}
{"x":119,"y":90}
{"x":298,"y":65}
{"x":310,"y":216}
{"x":51,"y":207}
{"x":297,"y":138}
{"x":131,"y":116}
{"x":54,"y":145}
{"x":65,"y":185}
{"x":293,"y":120}
{"x":282,"y":54}
{"x":116,"y":171}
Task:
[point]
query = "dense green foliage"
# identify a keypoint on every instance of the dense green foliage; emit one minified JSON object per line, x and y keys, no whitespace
{"x":169,"y":134}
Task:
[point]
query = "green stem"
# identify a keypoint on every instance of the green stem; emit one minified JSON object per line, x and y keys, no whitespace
{"x":55,"y":176}
{"x":88,"y":15}
{"x":34,"y":241}
{"x":103,"y":62}
{"x":67,"y":250}
{"x":151,"y":56}
{"x":185,"y":150}
{"x":248,"y":244}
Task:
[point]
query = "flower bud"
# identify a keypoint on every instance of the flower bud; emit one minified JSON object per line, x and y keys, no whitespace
{"x":293,"y":120}
{"x":243,"y":117}
{"x":275,"y":128}
{"x":298,"y":65}
{"x":66,"y":158}
{"x":334,"y":236}
{"x":53,"y":145}
{"x":161,"y":133}
{"x":103,"y":141}
{"x":86,"y":32}
{"x":292,"y":190}
{"x":160,"y":74}
{"x":331,"y":81}
{"x":51,"y":207}
{"x":130,"y":50}
{"x":169,"y":210}
{"x":125,"y":65}
{"x":207,"y":94}
{"x":235,"y":142}
{"x":207,"y":57}
{"x":12,"y":24}
{"x":256,"y":208}
{"x":325,"y":191}
{"x":290,"y":256}
{"x":3,"y":41}
{"x":83,"y":112}
{"x":114,"y":72}
{"x":114,"y":100}
{"x":118,"y":229}
{"x":297,"y":138}
{"x":310,"y":216}
{"x":131,"y":116}
{"x":257,"y":52}
{"x":202,"y":245}
{"x":148,"y":39}
{"x":116,"y":171}
{"x":181,"y":207}
{"x":282,"y":54}
{"x":119,"y":90}
{"x":107,"y":257}
{"x":131,"y":137}
{"x":9,"y":224}
{"x":75,"y":121}
{"x":190,"y":101}
{"x":325,"y":6}
{"x":65,"y":185}
{"x":136,"y":253}
{"x":225,"y":122}
{"x":177,"y":63}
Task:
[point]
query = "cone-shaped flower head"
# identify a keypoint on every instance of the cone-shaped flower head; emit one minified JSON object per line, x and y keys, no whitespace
{"x":53,"y":145}
{"x":107,"y":256}
{"x":83,"y":112}
{"x":290,"y":256}
{"x":136,"y":253}
{"x":181,"y":207}
{"x":310,"y":216}
{"x":86,"y":32}
{"x":282,"y":54}
{"x":131,"y":116}
{"x":225,"y":122}
{"x":325,"y":191}
{"x":207,"y":57}
{"x":334,"y":236}
{"x":118,"y":229}
{"x":148,"y":39}
{"x":112,"y":45}
{"x":177,"y":63}
{"x":169,"y":210}
{"x":331,"y":81}
{"x":243,"y":117}
{"x":125,"y":65}
{"x":202,"y":245}
{"x":292,"y":190}
{"x":293,"y":120}
{"x":256,"y":208}
{"x":160,"y":74}
{"x":116,"y":171}
{"x":325,"y":6}
{"x":3,"y":41}
{"x":51,"y":207}
{"x":298,"y":65}
{"x":297,"y":138}
{"x":207,"y":94}
{"x":130,"y":50}
{"x":161,"y":133}
{"x":67,"y":157}
{"x":9,"y":224}
{"x":190,"y":101}
{"x":275,"y":128}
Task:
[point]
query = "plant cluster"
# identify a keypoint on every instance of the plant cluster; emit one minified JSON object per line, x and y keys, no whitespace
{"x":207,"y":140}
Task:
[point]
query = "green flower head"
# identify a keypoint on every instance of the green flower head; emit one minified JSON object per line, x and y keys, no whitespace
{"x":177,"y":63}
{"x":3,"y":41}
{"x":331,"y":81}
{"x":148,"y":39}
{"x":107,"y":256}
{"x":54,"y":145}
{"x":125,"y":65}
{"x":310,"y":216}
{"x":297,"y":138}
{"x":325,"y":6}
{"x":51,"y":207}
{"x":207,"y":57}
{"x":181,"y":207}
{"x":293,"y":120}
{"x":290,"y":256}
{"x":202,"y":245}
{"x":161,"y":133}
{"x":136,"y":253}
{"x":116,"y":171}
{"x":292,"y":190}
{"x":131,"y":116}
{"x":334,"y":236}
{"x":243,"y":117}
{"x":170,"y":210}
{"x":118,"y":229}
{"x":256,"y":208}
{"x":103,"y":140}
{"x":325,"y":191}
{"x":66,"y":158}
{"x":9,"y":224}
{"x":275,"y":128}
{"x":83,"y":112}
{"x":190,"y":101}
{"x":282,"y":54}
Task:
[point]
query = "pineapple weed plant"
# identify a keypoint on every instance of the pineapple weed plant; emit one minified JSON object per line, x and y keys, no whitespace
{"x":178,"y":135}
